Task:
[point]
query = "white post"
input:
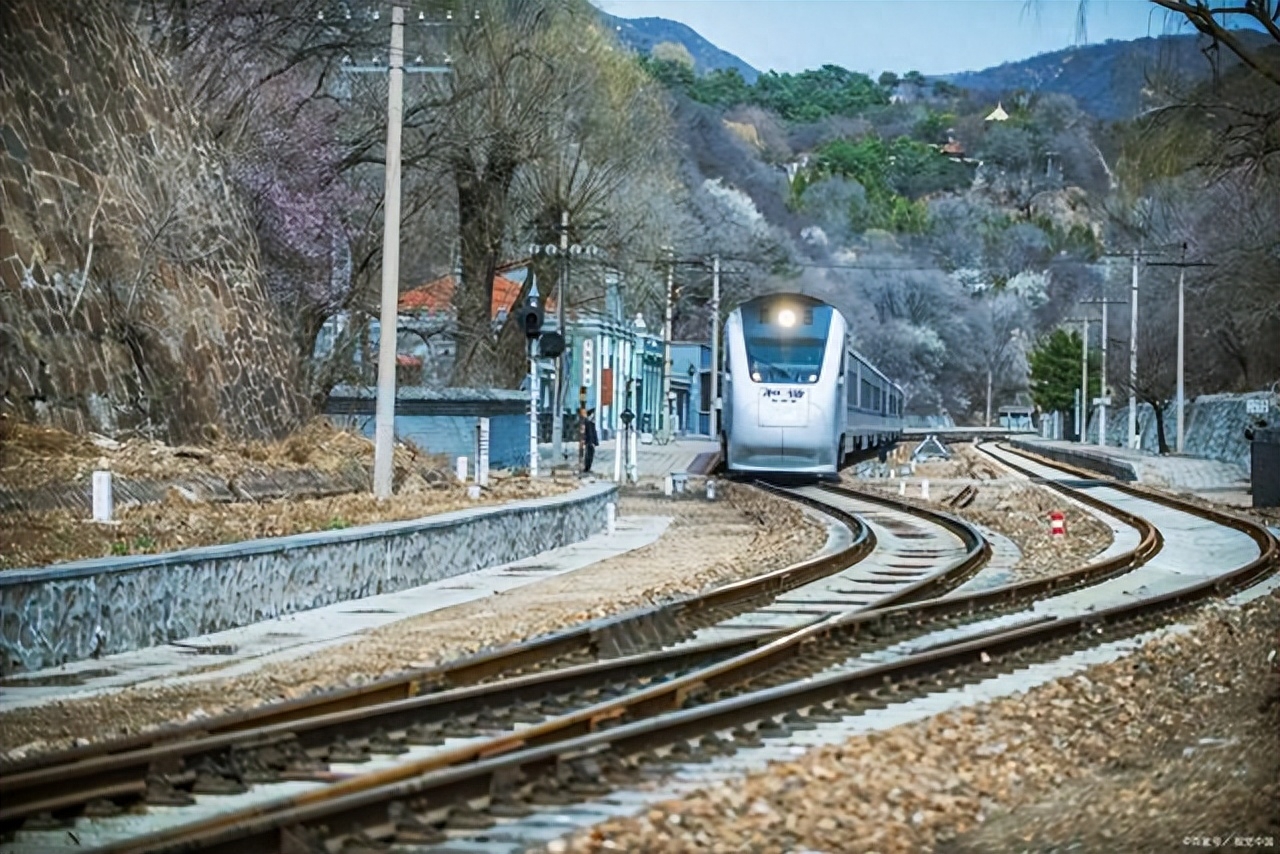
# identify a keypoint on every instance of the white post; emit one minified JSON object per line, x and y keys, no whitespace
{"x":460,"y":465}
{"x":1102,"y":385}
{"x":611,"y":518}
{"x":633,"y":461}
{"x":384,"y":434}
{"x":715,"y":347}
{"x":533,"y":412}
{"x":619,"y":439}
{"x":1182,"y":272}
{"x":1133,"y":357}
{"x":924,"y":488}
{"x":102,"y":496}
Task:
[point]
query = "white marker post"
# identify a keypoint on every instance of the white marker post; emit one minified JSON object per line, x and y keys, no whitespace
{"x":611,"y":517}
{"x":461,"y":464}
{"x":102,"y":496}
{"x":924,"y":489}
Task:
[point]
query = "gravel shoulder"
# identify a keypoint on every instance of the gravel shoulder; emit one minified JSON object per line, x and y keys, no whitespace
{"x":1151,"y":753}
{"x":744,"y":533}
{"x":1005,"y":504}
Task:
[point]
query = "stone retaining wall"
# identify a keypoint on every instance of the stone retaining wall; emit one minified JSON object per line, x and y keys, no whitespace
{"x":1215,"y":426}
{"x":96,"y":607}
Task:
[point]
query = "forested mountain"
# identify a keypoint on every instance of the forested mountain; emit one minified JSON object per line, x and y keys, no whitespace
{"x":641,"y":34}
{"x":1112,"y":80}
{"x":954,"y":236}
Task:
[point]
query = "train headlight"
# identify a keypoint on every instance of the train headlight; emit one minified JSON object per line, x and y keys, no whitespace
{"x":755,"y":375}
{"x":813,"y":378}
{"x":786,"y":317}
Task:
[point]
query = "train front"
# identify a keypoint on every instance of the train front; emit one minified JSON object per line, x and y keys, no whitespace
{"x":783,"y":385}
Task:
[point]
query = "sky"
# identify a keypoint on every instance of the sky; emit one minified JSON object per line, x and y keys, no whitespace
{"x":930,"y":36}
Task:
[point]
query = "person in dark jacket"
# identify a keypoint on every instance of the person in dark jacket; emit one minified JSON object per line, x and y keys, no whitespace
{"x":590,"y":439}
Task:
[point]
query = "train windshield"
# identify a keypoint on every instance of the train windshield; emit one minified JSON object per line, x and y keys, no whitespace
{"x":785,"y":344}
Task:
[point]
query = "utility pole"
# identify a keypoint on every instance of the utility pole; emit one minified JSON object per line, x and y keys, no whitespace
{"x":715,"y":346}
{"x":384,"y":434}
{"x":1182,"y":266}
{"x":1084,"y":379}
{"x":1104,"y":399}
{"x":384,"y":419}
{"x":665,"y":405}
{"x":1133,"y":357}
{"x":1082,"y":413}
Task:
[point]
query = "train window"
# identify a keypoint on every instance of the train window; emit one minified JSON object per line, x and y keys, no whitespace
{"x":782,"y":350}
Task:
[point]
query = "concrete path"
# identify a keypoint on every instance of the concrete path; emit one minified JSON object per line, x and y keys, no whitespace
{"x":653,"y":461}
{"x":239,"y":651}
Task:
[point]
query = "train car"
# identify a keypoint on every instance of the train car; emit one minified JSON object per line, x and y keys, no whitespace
{"x":798,"y":399}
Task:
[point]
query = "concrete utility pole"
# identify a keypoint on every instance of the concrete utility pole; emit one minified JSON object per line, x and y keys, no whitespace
{"x":665,"y":405}
{"x":1082,"y":411}
{"x":1103,"y":397}
{"x":1084,"y":379}
{"x":1133,"y":358}
{"x":1182,"y":266}
{"x":384,"y":435}
{"x":715,"y":346}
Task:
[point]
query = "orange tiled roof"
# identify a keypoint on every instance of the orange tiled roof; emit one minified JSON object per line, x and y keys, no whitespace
{"x":437,"y":296}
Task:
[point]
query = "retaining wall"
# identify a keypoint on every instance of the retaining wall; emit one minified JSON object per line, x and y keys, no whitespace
{"x":96,"y":607}
{"x":1215,"y":426}
{"x":1081,"y":457}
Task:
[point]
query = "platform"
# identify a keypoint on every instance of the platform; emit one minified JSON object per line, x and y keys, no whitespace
{"x":1211,"y":480}
{"x":236,"y":652}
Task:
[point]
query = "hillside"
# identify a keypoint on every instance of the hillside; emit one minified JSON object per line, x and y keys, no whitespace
{"x":641,"y":34}
{"x":1107,"y":80}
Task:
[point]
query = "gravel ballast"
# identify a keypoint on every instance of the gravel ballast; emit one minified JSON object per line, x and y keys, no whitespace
{"x":1177,"y":742}
{"x":1005,"y":504}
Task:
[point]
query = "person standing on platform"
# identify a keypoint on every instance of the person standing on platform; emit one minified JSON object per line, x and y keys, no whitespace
{"x":590,"y":439}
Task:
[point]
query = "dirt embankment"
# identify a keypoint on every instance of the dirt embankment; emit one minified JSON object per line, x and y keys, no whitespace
{"x":198,"y":496}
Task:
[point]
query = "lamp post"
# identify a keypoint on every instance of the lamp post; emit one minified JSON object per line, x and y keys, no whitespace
{"x":637,"y":372}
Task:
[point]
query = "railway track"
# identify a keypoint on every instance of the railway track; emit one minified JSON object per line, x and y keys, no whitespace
{"x":795,"y":676}
{"x":305,"y":740}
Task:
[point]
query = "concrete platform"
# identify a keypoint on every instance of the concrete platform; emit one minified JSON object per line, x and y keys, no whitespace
{"x":243,"y":650}
{"x":1211,"y":480}
{"x":653,"y":461}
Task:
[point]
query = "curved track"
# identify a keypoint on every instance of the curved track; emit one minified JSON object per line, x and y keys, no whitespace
{"x":828,"y":660}
{"x":316,"y":739}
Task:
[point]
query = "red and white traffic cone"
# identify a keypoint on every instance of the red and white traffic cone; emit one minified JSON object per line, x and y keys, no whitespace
{"x":1058,"y":523}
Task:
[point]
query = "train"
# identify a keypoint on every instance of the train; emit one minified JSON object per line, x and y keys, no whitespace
{"x":798,"y":399}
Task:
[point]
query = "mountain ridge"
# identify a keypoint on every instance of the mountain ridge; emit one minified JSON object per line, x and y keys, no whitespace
{"x":641,"y":34}
{"x":1109,"y":79}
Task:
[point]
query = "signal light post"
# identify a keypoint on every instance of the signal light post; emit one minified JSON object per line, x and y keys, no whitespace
{"x":531,"y":322}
